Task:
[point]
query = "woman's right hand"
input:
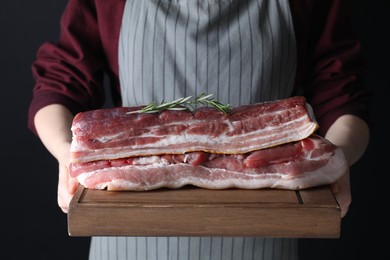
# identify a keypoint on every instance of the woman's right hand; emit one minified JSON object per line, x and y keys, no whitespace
{"x":53,"y":125}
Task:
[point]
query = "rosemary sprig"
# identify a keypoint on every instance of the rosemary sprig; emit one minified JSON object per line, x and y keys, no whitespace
{"x":183,"y":104}
{"x":208,"y":100}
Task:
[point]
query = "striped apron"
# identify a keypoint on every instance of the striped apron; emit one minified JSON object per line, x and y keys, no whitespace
{"x":242,"y":51}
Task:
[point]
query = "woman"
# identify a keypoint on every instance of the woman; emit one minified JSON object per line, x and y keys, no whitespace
{"x":240,"y":51}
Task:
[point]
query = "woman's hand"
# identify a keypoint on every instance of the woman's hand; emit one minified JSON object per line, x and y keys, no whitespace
{"x":53,"y":124}
{"x":351,"y":135}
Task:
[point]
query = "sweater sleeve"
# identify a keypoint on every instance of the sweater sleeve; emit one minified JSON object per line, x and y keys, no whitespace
{"x":70,"y":72}
{"x":332,"y":66}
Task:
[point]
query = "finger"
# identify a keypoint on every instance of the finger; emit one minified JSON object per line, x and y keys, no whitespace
{"x":335,"y":187}
{"x":66,"y":188}
{"x":344,"y":203}
{"x":63,"y":205}
{"x":343,"y":197}
{"x":73,"y":185}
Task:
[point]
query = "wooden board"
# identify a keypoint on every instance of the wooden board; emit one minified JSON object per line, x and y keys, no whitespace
{"x":191,"y":211}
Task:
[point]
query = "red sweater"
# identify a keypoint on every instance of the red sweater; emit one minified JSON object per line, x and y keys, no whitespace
{"x":329,"y":73}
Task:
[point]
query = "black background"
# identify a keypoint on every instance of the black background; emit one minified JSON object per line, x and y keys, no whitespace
{"x":32,"y":225}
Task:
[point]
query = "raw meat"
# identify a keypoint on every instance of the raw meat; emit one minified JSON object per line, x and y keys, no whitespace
{"x":114,"y":133}
{"x":310,"y":162}
{"x":264,"y":145}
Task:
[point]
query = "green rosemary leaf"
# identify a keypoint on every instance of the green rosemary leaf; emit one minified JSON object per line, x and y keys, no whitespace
{"x":183,"y":104}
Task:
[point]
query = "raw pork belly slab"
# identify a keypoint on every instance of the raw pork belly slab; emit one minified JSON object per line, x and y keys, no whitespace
{"x":310,"y":162}
{"x":113,"y":133}
{"x":264,"y":145}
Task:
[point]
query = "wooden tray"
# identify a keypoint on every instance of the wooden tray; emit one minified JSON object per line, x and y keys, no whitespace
{"x":191,"y":211}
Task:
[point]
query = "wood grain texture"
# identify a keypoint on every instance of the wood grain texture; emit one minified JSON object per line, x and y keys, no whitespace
{"x":191,"y":211}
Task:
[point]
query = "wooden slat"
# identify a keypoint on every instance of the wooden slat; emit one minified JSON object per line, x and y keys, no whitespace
{"x":194,"y":211}
{"x":319,"y":196}
{"x":191,"y":195}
